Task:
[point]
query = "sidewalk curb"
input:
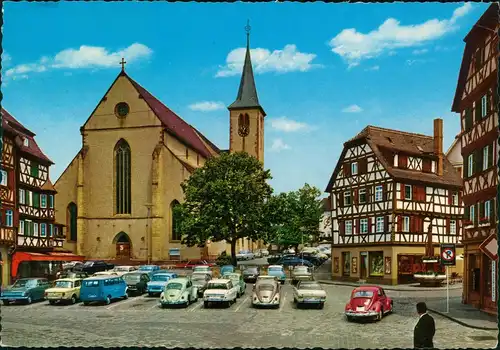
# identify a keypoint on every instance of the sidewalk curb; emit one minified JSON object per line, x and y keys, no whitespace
{"x":442,"y":314}
{"x":389,"y":287}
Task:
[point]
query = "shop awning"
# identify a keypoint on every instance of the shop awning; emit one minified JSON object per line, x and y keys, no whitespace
{"x":19,"y":257}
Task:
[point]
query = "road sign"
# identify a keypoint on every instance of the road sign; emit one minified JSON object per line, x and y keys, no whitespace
{"x":448,"y":255}
{"x":490,"y":246}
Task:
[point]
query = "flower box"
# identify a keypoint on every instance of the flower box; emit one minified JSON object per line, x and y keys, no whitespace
{"x":484,"y":220}
{"x":467,"y":222}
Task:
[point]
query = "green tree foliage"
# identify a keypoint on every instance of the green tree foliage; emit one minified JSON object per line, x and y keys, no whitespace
{"x":298,"y":216}
{"x":225,"y":200}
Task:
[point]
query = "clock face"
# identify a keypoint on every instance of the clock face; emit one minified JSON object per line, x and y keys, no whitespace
{"x":243,"y":131}
{"x":122,"y":109}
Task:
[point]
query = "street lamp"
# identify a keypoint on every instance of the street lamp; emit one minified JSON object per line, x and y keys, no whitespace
{"x":148,"y":232}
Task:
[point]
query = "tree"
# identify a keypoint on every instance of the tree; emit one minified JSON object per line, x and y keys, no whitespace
{"x":225,"y":200}
{"x":298,"y":214}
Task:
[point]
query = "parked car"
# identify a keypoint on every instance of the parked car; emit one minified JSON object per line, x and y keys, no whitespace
{"x":237,"y":280}
{"x":368,"y":301}
{"x":179,"y":291}
{"x":65,"y":290}
{"x":266,"y":292}
{"x":251,"y":273}
{"x":103,"y":289}
{"x":264,"y":252}
{"x":200,"y":281}
{"x":226,"y":269}
{"x":149,"y":269}
{"x":106,"y":273}
{"x":121,"y":270}
{"x":277,"y":271}
{"x":71,"y":264}
{"x":309,"y":292}
{"x":25,"y":290}
{"x":158,"y":282}
{"x":293,"y":261}
{"x":220,"y":291}
{"x":311,"y":258}
{"x":137,"y":282}
{"x":203,"y":269}
{"x":192,"y":263}
{"x":91,"y":267}
{"x":245,"y":255}
{"x":301,"y":273}
{"x":72,"y":274}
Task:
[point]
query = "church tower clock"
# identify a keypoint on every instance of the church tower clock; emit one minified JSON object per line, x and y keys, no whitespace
{"x":246,"y":114}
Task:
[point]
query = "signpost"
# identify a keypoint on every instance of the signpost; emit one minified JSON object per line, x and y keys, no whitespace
{"x":448,"y":258}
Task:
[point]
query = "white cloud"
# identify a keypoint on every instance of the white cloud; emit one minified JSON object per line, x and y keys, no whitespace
{"x":420,"y":52}
{"x":354,"y":46}
{"x":287,"y":125}
{"x":84,"y":57}
{"x":372,"y":68}
{"x":263,"y":61}
{"x":6,"y":59}
{"x":278,"y":145}
{"x":352,"y":109}
{"x":207,"y":106}
{"x":412,"y":62}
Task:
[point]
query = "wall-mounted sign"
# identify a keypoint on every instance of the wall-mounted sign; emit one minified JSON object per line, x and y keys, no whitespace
{"x":174,"y":252}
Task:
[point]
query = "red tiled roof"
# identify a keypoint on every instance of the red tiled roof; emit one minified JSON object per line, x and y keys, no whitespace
{"x":172,"y":121}
{"x":10,"y":124}
{"x":408,"y":143}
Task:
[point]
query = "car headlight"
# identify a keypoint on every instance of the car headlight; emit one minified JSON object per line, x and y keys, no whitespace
{"x":25,"y":293}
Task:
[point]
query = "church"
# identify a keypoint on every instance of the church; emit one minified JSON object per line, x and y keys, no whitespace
{"x":117,"y":194}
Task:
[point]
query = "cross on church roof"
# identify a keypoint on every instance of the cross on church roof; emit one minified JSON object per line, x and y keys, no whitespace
{"x":123,"y":64}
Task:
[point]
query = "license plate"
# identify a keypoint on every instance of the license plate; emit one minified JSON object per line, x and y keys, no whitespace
{"x":92,"y":295}
{"x":310,"y":300}
{"x":360,"y":308}
{"x":11,"y":300}
{"x":214,"y":299}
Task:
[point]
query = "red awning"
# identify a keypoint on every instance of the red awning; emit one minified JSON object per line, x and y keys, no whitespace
{"x":19,"y":257}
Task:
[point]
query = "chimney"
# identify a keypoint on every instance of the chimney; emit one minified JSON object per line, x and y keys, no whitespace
{"x":438,"y":144}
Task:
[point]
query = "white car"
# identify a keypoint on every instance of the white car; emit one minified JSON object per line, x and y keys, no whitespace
{"x":121,"y":270}
{"x":105,"y":273}
{"x":245,"y":255}
{"x":204,"y":269}
{"x":266,"y":292}
{"x":220,"y":291}
{"x":309,"y":292}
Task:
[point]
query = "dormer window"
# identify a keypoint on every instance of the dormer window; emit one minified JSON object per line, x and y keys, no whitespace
{"x":26,"y":142}
{"x":354,"y":168}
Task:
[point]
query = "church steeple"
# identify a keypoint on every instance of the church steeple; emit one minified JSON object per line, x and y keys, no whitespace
{"x":247,"y":93}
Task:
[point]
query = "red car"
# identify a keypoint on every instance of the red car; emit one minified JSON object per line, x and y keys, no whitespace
{"x":368,"y":302}
{"x":192,"y":263}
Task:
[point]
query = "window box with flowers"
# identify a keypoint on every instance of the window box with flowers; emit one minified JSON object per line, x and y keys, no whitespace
{"x":467,"y":222}
{"x":484,"y":220}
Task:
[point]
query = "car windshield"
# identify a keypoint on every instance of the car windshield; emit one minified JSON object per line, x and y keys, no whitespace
{"x":174,"y":285}
{"x":63,"y":284}
{"x":265,"y":286}
{"x":132,"y":277}
{"x":24,"y":283}
{"x":363,"y":294}
{"x":309,"y":286}
{"x":198,"y":277}
{"x":301,"y":269}
{"x":91,"y":283}
{"x":217,"y":286}
{"x":232,"y":276}
{"x":251,"y":270}
{"x":146,"y":268}
{"x":161,"y":278}
{"x":202,"y":268}
{"x":275,"y":269}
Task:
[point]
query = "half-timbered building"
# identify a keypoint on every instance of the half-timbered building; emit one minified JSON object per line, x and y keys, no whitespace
{"x":476,"y":100}
{"x":325,"y":225}
{"x":388,"y":189}
{"x":28,"y":198}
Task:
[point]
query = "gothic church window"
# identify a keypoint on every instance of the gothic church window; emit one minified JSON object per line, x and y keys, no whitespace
{"x":123,"y":178}
{"x":72,"y":215}
{"x":176,"y":235}
{"x":243,"y":125}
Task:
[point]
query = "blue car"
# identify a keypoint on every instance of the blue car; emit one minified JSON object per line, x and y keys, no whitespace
{"x":149,"y":269}
{"x":293,"y":261}
{"x":277,"y":271}
{"x":103,"y":289}
{"x":25,"y":290}
{"x":158,"y":281}
{"x":226,"y":269}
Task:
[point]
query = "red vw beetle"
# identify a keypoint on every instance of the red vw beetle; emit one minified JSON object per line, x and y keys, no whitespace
{"x":367,"y":302}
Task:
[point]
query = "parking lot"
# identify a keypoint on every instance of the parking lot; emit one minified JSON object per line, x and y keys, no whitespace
{"x":139,"y":321}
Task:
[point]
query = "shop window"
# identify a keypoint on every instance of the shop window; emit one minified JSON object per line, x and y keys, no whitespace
{"x":346,"y":263}
{"x":376,"y":263}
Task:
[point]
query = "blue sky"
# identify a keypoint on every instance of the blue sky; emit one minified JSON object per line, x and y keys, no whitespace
{"x":323,"y":71}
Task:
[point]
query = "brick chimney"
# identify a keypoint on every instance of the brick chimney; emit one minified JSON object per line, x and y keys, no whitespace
{"x":438,"y":144}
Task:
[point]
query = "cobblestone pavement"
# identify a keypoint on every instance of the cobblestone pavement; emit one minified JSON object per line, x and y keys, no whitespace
{"x":140,"y":321}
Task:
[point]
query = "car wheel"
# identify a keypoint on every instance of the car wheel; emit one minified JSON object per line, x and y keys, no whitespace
{"x":6,"y":302}
{"x":73,"y":299}
{"x":125,"y":297}
{"x":238,"y":295}
{"x":349,"y":318}
{"x":86,"y":303}
{"x":196,"y":298}
{"x":151,"y":294}
{"x":52,"y":302}
{"x":282,"y":282}
{"x":380,"y":315}
{"x":29,"y":301}
{"x":108,"y":300}
{"x":205,"y":304}
{"x":321,"y":306}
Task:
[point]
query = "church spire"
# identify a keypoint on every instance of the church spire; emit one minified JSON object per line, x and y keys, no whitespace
{"x":247,"y":93}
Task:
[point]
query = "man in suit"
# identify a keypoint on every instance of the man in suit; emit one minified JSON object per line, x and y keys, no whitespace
{"x":425,"y":328}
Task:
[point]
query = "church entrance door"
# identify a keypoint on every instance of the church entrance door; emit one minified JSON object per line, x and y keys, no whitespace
{"x":122,"y":242}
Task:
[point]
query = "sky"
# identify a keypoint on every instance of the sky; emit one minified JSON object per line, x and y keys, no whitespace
{"x":323,"y":71}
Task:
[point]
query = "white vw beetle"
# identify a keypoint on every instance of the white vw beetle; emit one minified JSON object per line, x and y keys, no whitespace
{"x":220,"y":291}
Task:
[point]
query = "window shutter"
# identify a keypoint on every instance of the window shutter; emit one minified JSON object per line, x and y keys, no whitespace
{"x":341,"y":199}
{"x":402,"y":191}
{"x":481,"y":209}
{"x":426,"y":165}
{"x":402,"y":161}
{"x":466,"y":166}
{"x":368,"y":194}
{"x":450,"y":197}
{"x":490,"y":155}
{"x":467,"y":213}
{"x":478,"y":110}
{"x":414,"y":195}
{"x":358,"y":228}
{"x":355,"y":195}
{"x":459,"y":197}
{"x":447,"y":226}
{"x":476,"y":214}
{"x":474,"y":162}
{"x":488,"y":103}
{"x":386,"y":224}
{"x":346,"y":169}
{"x":369,"y":225}
{"x":342,"y":227}
{"x":493,"y":212}
{"x":384,"y":192}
